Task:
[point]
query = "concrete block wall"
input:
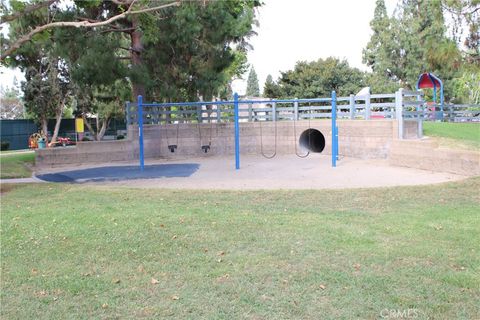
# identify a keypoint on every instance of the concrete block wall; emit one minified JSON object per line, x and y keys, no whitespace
{"x":85,"y":152}
{"x":427,"y":155}
{"x":410,"y":129}
{"x":357,"y":138}
{"x":366,"y":139}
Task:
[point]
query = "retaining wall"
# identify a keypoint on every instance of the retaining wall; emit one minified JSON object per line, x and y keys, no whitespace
{"x":427,"y":155}
{"x":366,"y":139}
{"x":84,"y":153}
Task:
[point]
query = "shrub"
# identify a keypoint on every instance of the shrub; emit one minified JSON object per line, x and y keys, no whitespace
{"x":5,"y":145}
{"x":86,"y":139}
{"x":120,"y":137}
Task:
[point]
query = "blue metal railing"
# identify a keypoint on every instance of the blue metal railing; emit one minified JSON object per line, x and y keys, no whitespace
{"x":236,"y":117}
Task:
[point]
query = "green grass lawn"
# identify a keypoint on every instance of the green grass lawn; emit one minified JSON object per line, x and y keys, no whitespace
{"x":92,"y":252}
{"x":451,"y":134}
{"x":16,"y":164}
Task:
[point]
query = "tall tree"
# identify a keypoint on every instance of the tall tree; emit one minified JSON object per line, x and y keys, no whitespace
{"x":192,"y":50}
{"x":318,"y":78}
{"x":378,"y":48}
{"x":271,"y":89}
{"x":101,"y":15}
{"x":198,"y":50}
{"x":466,"y":13}
{"x":253,"y":89}
{"x":48,"y":85}
{"x":411,"y":42}
{"x":46,"y":90}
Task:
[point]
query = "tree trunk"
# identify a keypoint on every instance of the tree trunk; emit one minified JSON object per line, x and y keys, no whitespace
{"x":58,"y":119}
{"x":97,"y":122}
{"x":44,"y":124}
{"x":89,"y":126}
{"x":104,"y":128}
{"x":136,"y":56}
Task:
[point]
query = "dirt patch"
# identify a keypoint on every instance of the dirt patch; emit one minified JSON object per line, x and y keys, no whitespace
{"x":7,"y":187}
{"x":285,"y":172}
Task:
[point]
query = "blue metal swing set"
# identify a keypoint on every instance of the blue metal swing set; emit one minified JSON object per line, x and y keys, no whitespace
{"x":236,"y":102}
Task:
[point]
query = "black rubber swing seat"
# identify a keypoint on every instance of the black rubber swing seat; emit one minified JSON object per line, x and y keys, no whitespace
{"x":172,"y":147}
{"x":205,"y":148}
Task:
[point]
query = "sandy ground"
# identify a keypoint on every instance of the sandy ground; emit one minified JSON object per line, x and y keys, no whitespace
{"x":284,"y":172}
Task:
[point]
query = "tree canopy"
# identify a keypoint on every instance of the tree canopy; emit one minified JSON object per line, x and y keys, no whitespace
{"x":316,"y":79}
{"x":416,"y":39}
{"x":114,"y":50}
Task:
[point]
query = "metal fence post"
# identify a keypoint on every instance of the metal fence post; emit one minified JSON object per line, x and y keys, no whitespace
{"x":399,"y":111}
{"x":127,"y":112}
{"x":140,"y":130}
{"x":352,"y":106}
{"x":334,"y":130}
{"x":295,"y":110}
{"x":420,"y":109}
{"x":367,"y":107}
{"x":237,"y":132}
{"x":219,"y":113}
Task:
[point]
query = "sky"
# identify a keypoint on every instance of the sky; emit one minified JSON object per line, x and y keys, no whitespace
{"x":296,"y":30}
{"x":307,"y":30}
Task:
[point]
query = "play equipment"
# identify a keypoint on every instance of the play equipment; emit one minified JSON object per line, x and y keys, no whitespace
{"x":172,"y":147}
{"x":429,"y":80}
{"x":318,"y":146}
{"x":205,"y":147}
{"x":37,"y":141}
{"x":305,"y":144}
{"x":274,"y":119}
{"x":360,"y":138}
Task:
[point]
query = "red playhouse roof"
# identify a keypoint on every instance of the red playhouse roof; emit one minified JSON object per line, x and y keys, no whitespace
{"x":428,"y":80}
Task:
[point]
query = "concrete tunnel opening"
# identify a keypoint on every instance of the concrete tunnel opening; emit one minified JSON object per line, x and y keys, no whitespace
{"x":312,"y":140}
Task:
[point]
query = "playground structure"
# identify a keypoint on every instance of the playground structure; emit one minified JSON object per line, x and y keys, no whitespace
{"x":268,"y":127}
{"x":377,"y":126}
{"x":286,"y":114}
{"x":429,"y":80}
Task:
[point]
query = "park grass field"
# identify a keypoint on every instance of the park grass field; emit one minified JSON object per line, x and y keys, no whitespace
{"x":14,"y":164}
{"x":463,"y":135}
{"x":96,"y":252}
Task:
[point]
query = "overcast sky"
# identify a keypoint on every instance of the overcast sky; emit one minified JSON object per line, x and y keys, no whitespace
{"x":294,"y":30}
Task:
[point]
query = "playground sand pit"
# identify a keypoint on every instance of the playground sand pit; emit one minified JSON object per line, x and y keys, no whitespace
{"x":282,"y":172}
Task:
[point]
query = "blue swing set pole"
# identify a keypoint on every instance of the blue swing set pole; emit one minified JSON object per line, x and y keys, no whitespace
{"x":140,"y":131}
{"x":334,"y":130}
{"x":237,"y":132}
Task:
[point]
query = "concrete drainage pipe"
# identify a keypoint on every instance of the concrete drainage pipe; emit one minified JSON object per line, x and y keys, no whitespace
{"x":312,"y":140}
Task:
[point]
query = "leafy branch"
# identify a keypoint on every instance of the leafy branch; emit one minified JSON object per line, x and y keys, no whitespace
{"x":76,"y":24}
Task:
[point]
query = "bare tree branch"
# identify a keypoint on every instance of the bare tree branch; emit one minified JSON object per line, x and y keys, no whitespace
{"x":27,"y":9}
{"x":120,"y":2}
{"x":127,"y":30}
{"x":80,"y":24}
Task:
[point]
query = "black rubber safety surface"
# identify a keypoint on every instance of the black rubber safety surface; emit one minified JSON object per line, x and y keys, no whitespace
{"x":119,"y":173}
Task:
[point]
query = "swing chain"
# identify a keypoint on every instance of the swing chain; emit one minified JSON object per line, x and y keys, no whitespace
{"x":274,"y":119}
{"x":295,"y":137}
